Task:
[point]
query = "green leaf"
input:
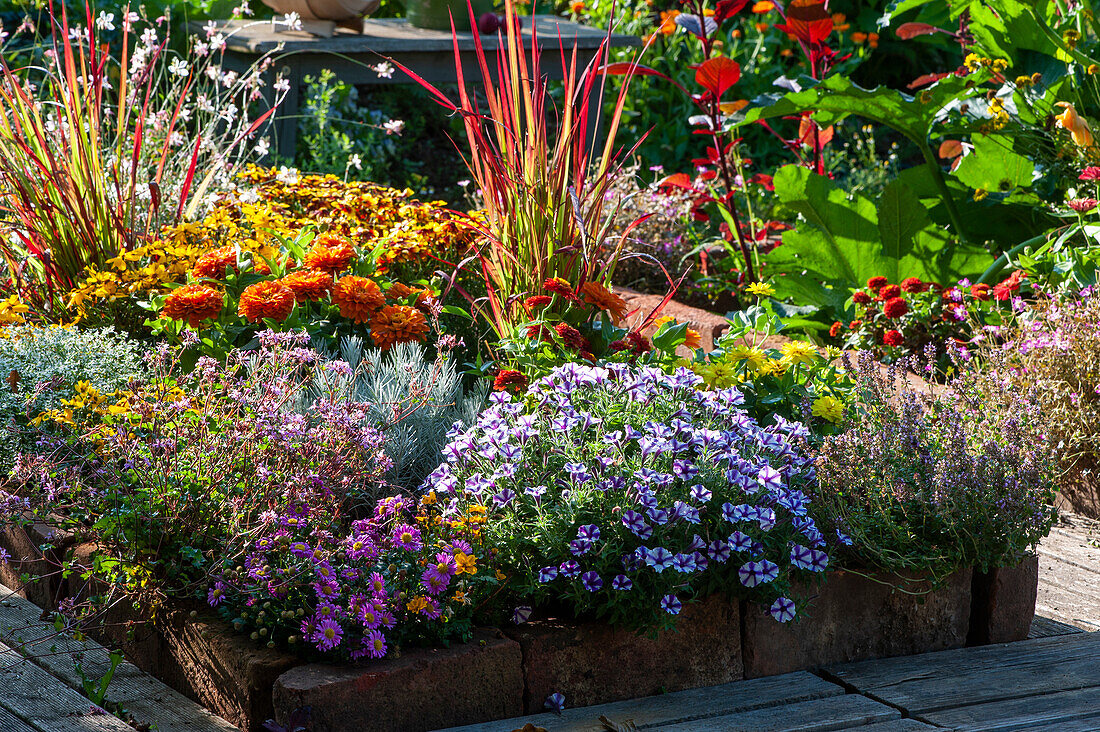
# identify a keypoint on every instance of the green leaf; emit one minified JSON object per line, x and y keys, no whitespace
{"x":901,"y":216}
{"x":994,"y":166}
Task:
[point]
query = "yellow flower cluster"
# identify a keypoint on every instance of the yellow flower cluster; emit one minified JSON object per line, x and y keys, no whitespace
{"x":254,"y":218}
{"x":746,"y":363}
{"x":11,"y":311}
{"x":89,"y":406}
{"x":974,"y":62}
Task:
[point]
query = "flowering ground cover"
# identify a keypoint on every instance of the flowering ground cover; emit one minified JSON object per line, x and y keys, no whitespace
{"x":354,"y":420}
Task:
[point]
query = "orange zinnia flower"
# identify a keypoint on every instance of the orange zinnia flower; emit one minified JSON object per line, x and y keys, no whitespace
{"x":329,"y":254}
{"x":268,"y":299}
{"x":602,"y":298}
{"x":397,"y":324}
{"x":401,"y":292}
{"x":215,"y":263}
{"x":357,"y":297}
{"x":193,"y":303}
{"x":308,"y":284}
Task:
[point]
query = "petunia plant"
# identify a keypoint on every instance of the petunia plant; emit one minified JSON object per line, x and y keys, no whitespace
{"x":625,"y":492}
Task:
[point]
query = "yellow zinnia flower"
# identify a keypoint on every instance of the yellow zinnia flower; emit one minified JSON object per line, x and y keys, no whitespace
{"x":753,"y":357}
{"x":796,"y":352}
{"x":761,"y":289}
{"x":828,"y":408}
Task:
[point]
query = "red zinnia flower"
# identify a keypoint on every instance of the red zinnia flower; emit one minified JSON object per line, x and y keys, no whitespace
{"x":877,"y":283}
{"x":889,"y":292}
{"x":834,"y":329}
{"x":912,"y":284}
{"x":509,"y":380}
{"x":893,"y":338}
{"x":855,"y":324}
{"x":571,"y":337}
{"x":980,"y":291}
{"x":1082,"y":205}
{"x":1090,"y":173}
{"x":558,"y":286}
{"x":638,"y":342}
{"x":539,"y":332}
{"x":861,"y":298}
{"x":895,"y":307}
{"x":1002,"y":292}
{"x":537,"y":302}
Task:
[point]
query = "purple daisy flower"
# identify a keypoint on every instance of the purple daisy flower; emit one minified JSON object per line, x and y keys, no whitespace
{"x":376,"y":644}
{"x":327,"y":635}
{"x":407,"y":537}
{"x":216,"y":594}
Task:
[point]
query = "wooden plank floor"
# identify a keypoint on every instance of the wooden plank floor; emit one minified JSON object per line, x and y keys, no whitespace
{"x":39,"y":683}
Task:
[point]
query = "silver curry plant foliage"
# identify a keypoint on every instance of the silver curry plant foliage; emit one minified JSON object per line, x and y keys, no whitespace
{"x":42,"y":365}
{"x":412,"y":400}
{"x":625,"y":492}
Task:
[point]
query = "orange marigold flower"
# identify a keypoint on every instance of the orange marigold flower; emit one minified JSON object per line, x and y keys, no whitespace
{"x":397,"y":324}
{"x":602,"y":298}
{"x":558,"y":286}
{"x":357,"y":297}
{"x":510,"y":380}
{"x":571,"y":337}
{"x":214,"y":263}
{"x":268,"y":299}
{"x":329,"y":254}
{"x":311,"y":284}
{"x":193,"y":303}
{"x":835,"y":328}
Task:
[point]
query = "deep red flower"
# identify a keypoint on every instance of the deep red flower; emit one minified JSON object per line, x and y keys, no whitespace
{"x":558,"y":286}
{"x":835,"y":328}
{"x":510,"y":380}
{"x":893,"y":338}
{"x":638,"y":342}
{"x":889,"y":292}
{"x":537,"y":302}
{"x":980,"y":291}
{"x":895,"y":307}
{"x":912,"y":284}
{"x":1002,"y":292}
{"x":571,"y":337}
{"x":539,"y":332}
{"x":861,"y":298}
{"x":877,"y":283}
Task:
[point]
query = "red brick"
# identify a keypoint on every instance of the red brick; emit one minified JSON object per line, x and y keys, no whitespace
{"x":853,"y":618}
{"x":423,"y":689}
{"x":1004,"y":603}
{"x":592,"y":663}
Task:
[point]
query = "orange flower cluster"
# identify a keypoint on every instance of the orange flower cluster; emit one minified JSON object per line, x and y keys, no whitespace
{"x":329,"y":254}
{"x":357,"y":297}
{"x":214,"y":263}
{"x":308,"y":285}
{"x":194,"y":303}
{"x":397,"y":324}
{"x":269,"y":299}
{"x":602,"y":298}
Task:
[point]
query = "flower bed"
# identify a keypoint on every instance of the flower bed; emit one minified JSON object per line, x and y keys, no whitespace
{"x":511,"y":671}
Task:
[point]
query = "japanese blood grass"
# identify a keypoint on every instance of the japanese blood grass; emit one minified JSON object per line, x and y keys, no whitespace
{"x":542,"y":175}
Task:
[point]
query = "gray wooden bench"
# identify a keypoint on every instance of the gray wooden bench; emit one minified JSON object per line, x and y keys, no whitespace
{"x":429,"y":53}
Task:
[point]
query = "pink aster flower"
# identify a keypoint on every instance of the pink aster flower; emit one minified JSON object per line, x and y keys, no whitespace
{"x":407,"y":537}
{"x":327,"y":635}
{"x":1090,"y":173}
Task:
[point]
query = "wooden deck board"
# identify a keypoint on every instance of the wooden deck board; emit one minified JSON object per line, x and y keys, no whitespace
{"x":820,"y":715}
{"x":968,"y":676}
{"x":680,"y":706}
{"x":896,"y":725}
{"x":46,"y":704}
{"x":11,"y":723}
{"x":143,"y":696}
{"x":1012,"y":714}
